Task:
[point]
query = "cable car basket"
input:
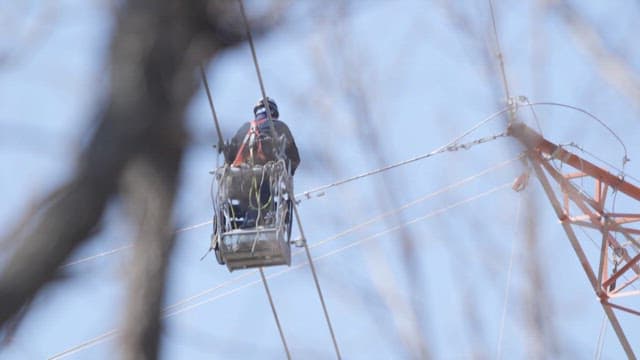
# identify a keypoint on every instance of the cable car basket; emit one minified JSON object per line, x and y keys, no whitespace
{"x":253,"y":213}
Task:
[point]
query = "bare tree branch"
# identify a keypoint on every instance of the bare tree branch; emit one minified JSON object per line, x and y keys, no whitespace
{"x":613,"y":68}
{"x":156,"y":48}
{"x":149,"y":181}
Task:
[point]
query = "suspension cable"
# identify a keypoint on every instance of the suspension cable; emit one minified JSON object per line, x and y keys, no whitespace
{"x":505,"y":301}
{"x":505,"y":84}
{"x":453,"y":145}
{"x":600,"y":343}
{"x":447,"y":148}
{"x":275,"y":314}
{"x":106,"y":336}
{"x":213,"y":109}
{"x":315,"y":276}
{"x":93,"y":257}
{"x":356,"y":227}
{"x":89,"y":343}
{"x":125,"y":247}
{"x":289,"y":189}
{"x":258,"y":73}
{"x":359,"y":226}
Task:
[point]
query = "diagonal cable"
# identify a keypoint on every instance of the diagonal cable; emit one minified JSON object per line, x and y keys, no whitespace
{"x":106,"y":336}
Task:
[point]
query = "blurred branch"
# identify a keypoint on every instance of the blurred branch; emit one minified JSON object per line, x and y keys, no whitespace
{"x":358,"y":98}
{"x":469,"y":27}
{"x":540,"y":324}
{"x":155,"y":50}
{"x":537,"y":302}
{"x":32,"y":34}
{"x":613,"y":68}
{"x":338,"y":70}
{"x":150,"y":183}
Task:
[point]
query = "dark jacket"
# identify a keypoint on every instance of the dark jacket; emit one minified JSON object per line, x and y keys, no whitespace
{"x":264,"y":129}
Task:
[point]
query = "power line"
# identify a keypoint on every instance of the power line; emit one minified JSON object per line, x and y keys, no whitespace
{"x":93,"y":257}
{"x":451,"y":146}
{"x":101,"y":338}
{"x":505,"y":301}
{"x":315,"y":277}
{"x":418,"y":219}
{"x":359,"y":226}
{"x":275,"y":313}
{"x":125,"y":247}
{"x":94,"y":341}
{"x":417,"y":201}
{"x":600,"y":342}
{"x":192,"y":227}
{"x":205,"y":292}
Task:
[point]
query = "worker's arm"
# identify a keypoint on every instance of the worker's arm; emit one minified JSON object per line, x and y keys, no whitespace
{"x":231,"y":148}
{"x":291,"y":150}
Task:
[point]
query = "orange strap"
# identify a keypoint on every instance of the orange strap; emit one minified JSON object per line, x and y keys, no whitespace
{"x":253,"y":131}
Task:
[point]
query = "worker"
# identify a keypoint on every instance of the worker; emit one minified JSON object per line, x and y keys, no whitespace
{"x":253,"y":144}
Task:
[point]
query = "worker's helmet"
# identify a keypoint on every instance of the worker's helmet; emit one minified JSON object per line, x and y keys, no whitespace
{"x":260,"y":107}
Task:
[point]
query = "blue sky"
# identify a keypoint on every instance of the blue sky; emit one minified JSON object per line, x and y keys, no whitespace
{"x":425,"y":83}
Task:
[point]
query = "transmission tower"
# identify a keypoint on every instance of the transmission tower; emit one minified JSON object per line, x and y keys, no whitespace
{"x":614,"y":271}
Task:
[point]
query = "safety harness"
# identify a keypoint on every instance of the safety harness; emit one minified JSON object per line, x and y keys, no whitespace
{"x":250,"y":139}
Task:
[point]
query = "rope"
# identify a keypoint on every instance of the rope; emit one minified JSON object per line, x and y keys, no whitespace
{"x":275,"y":314}
{"x":99,"y":339}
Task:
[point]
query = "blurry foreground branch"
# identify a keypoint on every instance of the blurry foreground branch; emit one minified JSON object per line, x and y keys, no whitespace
{"x":614,"y":69}
{"x":138,"y":142}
